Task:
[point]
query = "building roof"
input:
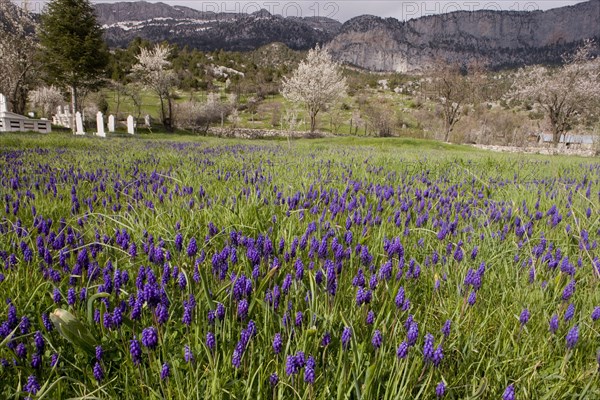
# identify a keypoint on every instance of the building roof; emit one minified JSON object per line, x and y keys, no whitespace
{"x":568,"y":138}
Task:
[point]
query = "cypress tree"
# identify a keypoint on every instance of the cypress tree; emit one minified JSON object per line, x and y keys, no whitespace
{"x":73,"y":53}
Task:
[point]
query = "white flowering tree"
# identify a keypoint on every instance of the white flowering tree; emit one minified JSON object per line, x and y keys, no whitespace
{"x":153,"y":69}
{"x":46,"y":99}
{"x":316,"y":83}
{"x":17,"y":55}
{"x":565,"y":93}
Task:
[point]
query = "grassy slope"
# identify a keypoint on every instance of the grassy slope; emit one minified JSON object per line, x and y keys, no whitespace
{"x":486,"y":350}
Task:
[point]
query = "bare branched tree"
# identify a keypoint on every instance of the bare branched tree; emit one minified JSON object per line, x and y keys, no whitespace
{"x":317,"y":82}
{"x":564,"y":93}
{"x":153,"y":69}
{"x":452,"y":92}
{"x":380,"y":118}
{"x":198,"y":117}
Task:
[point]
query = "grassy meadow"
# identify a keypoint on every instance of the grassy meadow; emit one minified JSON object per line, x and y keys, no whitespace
{"x":175,"y":267}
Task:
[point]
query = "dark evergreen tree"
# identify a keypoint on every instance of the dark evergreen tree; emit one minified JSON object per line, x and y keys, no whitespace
{"x":73,"y":54}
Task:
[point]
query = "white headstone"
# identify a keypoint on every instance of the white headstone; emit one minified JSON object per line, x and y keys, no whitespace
{"x":147,"y":121}
{"x":59,"y":110}
{"x":3,"y":105}
{"x":100,"y":124}
{"x":79,"y":124}
{"x":111,"y":123}
{"x":130,"y":125}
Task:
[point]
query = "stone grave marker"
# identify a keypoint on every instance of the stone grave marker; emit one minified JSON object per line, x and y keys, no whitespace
{"x":130,"y":125}
{"x":100,"y":124}
{"x":3,"y":103}
{"x":79,"y":124}
{"x":111,"y":123}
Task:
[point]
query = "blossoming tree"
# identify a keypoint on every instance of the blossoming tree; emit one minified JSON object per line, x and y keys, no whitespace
{"x":565,"y":93}
{"x":318,"y":82}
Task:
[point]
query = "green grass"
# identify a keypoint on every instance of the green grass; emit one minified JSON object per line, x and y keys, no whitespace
{"x":155,"y":186}
{"x":262,"y":118}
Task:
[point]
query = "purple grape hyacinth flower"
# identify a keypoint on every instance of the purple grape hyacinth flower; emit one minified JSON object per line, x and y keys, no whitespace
{"x":440,"y":390}
{"x":54,"y":360}
{"x":402,"y":350}
{"x":192,"y":248}
{"x":242,"y":310}
{"x":569,"y":290}
{"x":188,"y":356}
{"x":472,"y":298}
{"x":136,"y":351}
{"x":346,"y":336}
{"x":524,"y":318}
{"x":38,"y":340}
{"x":150,"y":337}
{"x":309,"y":370}
{"x":413,"y":333}
{"x":428,"y":348}
{"x":377,"y":340}
{"x":21,"y":350}
{"x":399,"y":300}
{"x":596,"y":314}
{"x":220,"y":311}
{"x":509,"y":393}
{"x":438,"y":355}
{"x":165,"y":371}
{"x":291,"y":367}
{"x":56,"y":296}
{"x":24,"y":325}
{"x":572,"y":337}
{"x":446,"y":328}
{"x":277,"y":343}
{"x":553,"y":324}
{"x":32,"y":386}
{"x":370,"y":317}
{"x":98,"y":372}
{"x":210,"y":341}
{"x":570,"y":312}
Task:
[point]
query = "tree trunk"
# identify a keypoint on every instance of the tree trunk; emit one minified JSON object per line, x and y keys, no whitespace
{"x":17,"y":100}
{"x":170,"y":117}
{"x":313,"y":121}
{"x":118,"y":103}
{"x":162,"y":111}
{"x":73,"y":107}
{"x":446,"y":134}
{"x":556,"y":130}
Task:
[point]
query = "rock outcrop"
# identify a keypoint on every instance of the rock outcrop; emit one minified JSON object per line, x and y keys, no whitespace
{"x":497,"y":38}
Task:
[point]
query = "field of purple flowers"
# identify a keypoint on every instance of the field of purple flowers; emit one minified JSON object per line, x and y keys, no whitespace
{"x":318,"y":270}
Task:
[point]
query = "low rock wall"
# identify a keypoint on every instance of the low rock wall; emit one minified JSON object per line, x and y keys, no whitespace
{"x":246,"y":133}
{"x":548,"y":150}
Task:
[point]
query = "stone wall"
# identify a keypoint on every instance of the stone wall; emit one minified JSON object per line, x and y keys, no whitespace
{"x":246,"y":133}
{"x":548,"y":150}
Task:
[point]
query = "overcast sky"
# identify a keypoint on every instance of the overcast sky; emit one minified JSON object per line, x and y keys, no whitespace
{"x":343,"y":10}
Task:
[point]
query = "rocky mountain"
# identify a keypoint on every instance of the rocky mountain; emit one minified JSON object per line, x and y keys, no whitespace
{"x":209,"y":30}
{"x":497,"y":38}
